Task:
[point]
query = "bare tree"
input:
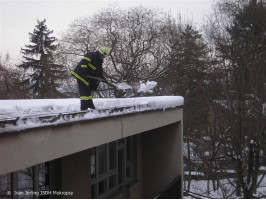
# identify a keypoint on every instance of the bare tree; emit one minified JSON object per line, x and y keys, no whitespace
{"x":134,"y":36}
{"x":238,"y":116}
{"x":10,"y":78}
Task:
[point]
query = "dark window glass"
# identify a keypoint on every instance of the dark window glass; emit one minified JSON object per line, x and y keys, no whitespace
{"x":112,"y":155}
{"x":134,"y":158}
{"x":128,"y":173}
{"x":112,"y":182}
{"x":44,"y":177}
{"x":93,"y":163}
{"x":25,"y":183}
{"x":128,"y":149}
{"x":101,"y":187}
{"x":44,"y":180}
{"x":120,"y":167}
{"x":93,"y":191}
{"x":102,"y":159}
{"x":5,"y":186}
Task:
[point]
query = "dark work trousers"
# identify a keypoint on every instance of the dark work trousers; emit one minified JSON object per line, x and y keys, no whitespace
{"x":85,"y":96}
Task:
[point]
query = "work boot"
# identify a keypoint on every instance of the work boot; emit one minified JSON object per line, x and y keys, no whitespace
{"x":90,"y":104}
{"x":84,"y":105}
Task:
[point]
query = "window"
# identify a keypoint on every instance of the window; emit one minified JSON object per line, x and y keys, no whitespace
{"x":93,"y":163}
{"x":101,"y":160}
{"x":112,"y":182}
{"x":112,"y":156}
{"x":26,"y":183}
{"x":112,"y":167}
{"x":120,"y":167}
{"x":129,"y":150}
{"x":93,"y":191}
{"x":129,"y":162}
{"x":5,"y":186}
{"x":102,"y":187}
{"x":44,"y":179}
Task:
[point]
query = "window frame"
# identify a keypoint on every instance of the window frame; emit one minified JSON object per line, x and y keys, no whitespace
{"x":119,"y":145}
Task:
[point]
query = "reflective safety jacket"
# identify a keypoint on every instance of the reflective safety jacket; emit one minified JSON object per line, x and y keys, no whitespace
{"x":90,"y":65}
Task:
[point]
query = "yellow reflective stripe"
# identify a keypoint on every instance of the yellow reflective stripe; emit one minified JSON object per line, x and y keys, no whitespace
{"x":80,"y":78}
{"x":84,"y":66}
{"x":86,"y":98}
{"x":91,"y":66}
{"x":86,"y":58}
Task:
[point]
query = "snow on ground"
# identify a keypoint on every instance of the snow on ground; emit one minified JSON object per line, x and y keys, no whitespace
{"x":30,"y":107}
{"x":205,"y":189}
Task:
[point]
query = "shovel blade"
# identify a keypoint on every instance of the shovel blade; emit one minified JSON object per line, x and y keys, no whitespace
{"x":122,"y":86}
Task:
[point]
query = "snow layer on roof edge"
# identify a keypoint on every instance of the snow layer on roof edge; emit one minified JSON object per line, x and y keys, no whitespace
{"x":26,"y":107}
{"x":149,"y":103}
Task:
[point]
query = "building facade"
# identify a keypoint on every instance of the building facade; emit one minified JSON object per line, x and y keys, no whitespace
{"x":135,"y":155}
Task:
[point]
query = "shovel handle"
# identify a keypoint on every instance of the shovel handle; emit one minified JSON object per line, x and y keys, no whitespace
{"x":102,"y":80}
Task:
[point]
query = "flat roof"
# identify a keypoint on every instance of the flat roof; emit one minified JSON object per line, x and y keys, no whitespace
{"x":19,"y":115}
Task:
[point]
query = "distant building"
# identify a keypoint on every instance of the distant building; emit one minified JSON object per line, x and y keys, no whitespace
{"x":135,"y":155}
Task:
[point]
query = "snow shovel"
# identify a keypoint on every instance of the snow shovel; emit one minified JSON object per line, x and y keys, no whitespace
{"x":119,"y":86}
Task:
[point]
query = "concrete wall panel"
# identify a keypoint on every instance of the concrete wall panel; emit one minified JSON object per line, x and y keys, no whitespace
{"x":161,"y":161}
{"x":142,"y":122}
{"x":28,"y":148}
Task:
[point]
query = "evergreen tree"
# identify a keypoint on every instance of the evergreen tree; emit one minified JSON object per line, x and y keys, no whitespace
{"x":188,"y":74}
{"x":249,"y":43}
{"x":193,"y":61}
{"x":43,"y":75}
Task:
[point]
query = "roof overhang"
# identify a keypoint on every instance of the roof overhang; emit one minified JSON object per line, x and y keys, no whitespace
{"x":25,"y":148}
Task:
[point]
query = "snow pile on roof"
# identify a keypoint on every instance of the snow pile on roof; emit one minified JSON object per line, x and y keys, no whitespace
{"x":37,"y":107}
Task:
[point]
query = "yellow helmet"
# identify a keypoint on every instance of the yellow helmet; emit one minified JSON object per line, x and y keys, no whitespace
{"x":105,"y":51}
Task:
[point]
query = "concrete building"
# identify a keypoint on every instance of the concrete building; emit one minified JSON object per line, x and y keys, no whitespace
{"x":134,"y":155}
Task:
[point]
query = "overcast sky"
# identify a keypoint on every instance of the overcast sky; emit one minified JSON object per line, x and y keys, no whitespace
{"x":19,"y":17}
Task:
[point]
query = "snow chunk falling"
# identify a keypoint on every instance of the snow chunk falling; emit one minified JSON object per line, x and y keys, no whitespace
{"x":147,"y":87}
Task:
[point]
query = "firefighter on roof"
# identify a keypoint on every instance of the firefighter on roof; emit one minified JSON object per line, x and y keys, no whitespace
{"x":90,"y":65}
